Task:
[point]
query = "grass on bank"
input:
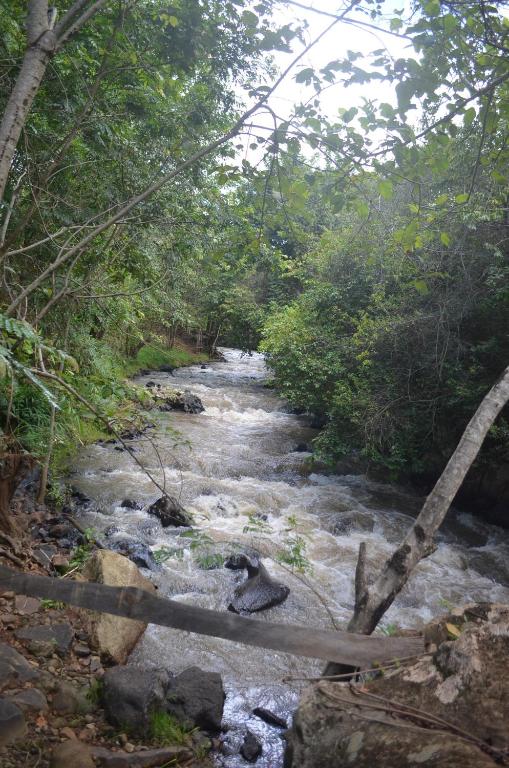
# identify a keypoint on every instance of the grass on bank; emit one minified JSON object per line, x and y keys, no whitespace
{"x":102,"y":378}
{"x":152,"y":357}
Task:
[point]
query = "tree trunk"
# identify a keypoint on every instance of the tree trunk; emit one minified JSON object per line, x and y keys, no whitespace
{"x":41,"y":46}
{"x":372,"y":601}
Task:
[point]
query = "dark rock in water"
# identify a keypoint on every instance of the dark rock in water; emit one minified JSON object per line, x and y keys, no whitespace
{"x":130,"y":504}
{"x":150,"y":384}
{"x":269,"y":717}
{"x":12,"y":722}
{"x":167,"y":368}
{"x":196,"y":698}
{"x":170,"y":512}
{"x":110,"y":531}
{"x":80,"y":497}
{"x":136,"y":551}
{"x":144,"y":372}
{"x":204,"y":367}
{"x":251,"y":748}
{"x":302,"y":448}
{"x":318,"y":420}
{"x":191,"y":403}
{"x":131,"y":694}
{"x":118,"y":448}
{"x":43,"y":638}
{"x":347,"y":522}
{"x":259,"y":591}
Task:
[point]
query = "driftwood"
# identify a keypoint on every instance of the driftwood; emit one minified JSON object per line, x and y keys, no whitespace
{"x":133,"y":603}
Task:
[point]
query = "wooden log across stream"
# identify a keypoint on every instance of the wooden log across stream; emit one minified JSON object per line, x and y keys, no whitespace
{"x":130,"y":602}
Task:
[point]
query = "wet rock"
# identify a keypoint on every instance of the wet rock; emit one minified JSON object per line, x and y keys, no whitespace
{"x":151,"y":384}
{"x":170,"y":512}
{"x":302,"y":448}
{"x":464,"y":682}
{"x":131,"y":694}
{"x":180,"y":401}
{"x":114,"y":637}
{"x":148,"y":758}
{"x":269,"y":717}
{"x":346,"y":522}
{"x":12,"y":722}
{"x":131,"y":504}
{"x":110,"y":531}
{"x":251,"y":748}
{"x":119,"y":448}
{"x":72,"y":753}
{"x":197,"y":698}
{"x":44,"y":640}
{"x":318,"y":420}
{"x":30,"y":700}
{"x":138,"y":552}
{"x":144,"y":372}
{"x":204,"y":367}
{"x":167,"y":368}
{"x":191,"y":403}
{"x":80,"y":497}
{"x":14,"y":667}
{"x":259,"y":592}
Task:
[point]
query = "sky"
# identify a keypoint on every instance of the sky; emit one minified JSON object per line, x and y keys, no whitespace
{"x":333,"y":45}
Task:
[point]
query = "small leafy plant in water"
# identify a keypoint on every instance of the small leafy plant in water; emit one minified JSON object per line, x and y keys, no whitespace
{"x":257,"y":525}
{"x":293,"y":552}
{"x":83,"y":551}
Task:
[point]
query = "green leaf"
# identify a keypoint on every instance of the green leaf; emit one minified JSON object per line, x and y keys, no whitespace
{"x":445,"y":239}
{"x":463,"y":198}
{"x":469,"y":117}
{"x":420,"y":286}
{"x":305,"y":75}
{"x":386,"y":189}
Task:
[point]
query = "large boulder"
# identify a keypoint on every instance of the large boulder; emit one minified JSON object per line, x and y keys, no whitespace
{"x":131,"y":694}
{"x":114,"y":637}
{"x":448,"y":709}
{"x":196,"y":698}
{"x":170,"y":512}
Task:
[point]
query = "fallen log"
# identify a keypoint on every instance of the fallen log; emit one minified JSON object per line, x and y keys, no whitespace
{"x":132,"y":603}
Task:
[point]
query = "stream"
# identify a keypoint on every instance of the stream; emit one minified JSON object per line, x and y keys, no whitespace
{"x":235,"y":468}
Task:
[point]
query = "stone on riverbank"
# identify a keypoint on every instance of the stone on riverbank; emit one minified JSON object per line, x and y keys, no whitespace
{"x":131,"y":694}
{"x":464,"y":682}
{"x":12,"y":722}
{"x":114,"y":637}
{"x":196,"y":698}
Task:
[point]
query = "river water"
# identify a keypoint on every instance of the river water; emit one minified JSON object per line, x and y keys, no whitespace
{"x":236,"y":469}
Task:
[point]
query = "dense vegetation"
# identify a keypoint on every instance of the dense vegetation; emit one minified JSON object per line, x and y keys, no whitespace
{"x":367,"y":252}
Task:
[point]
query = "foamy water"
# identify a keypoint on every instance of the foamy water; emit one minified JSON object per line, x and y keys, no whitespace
{"x":235,"y":463}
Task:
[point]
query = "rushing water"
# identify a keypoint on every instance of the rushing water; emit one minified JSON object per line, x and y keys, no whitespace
{"x":236,"y":464}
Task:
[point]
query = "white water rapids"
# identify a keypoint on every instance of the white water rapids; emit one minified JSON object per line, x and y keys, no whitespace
{"x":234,"y":463}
